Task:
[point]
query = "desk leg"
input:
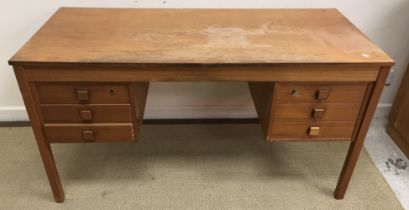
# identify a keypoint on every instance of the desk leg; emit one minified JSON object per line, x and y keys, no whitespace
{"x":51,"y":170}
{"x":356,"y":145}
{"x":43,"y":146}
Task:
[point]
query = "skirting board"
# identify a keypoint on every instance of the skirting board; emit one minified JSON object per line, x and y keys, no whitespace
{"x":382,"y":110}
{"x":181,"y":112}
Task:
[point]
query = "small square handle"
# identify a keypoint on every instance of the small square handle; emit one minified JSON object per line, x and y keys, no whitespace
{"x":318,"y":113}
{"x":86,"y":115}
{"x":88,"y":135}
{"x":82,"y":95}
{"x":322,"y":93}
{"x":314,"y":131}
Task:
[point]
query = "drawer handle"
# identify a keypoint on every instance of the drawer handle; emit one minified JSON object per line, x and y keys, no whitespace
{"x":314,"y":131}
{"x":82,"y":95}
{"x":322,"y":93}
{"x":295,"y":93}
{"x":318,"y":113}
{"x":88,"y":135}
{"x":86,"y":115}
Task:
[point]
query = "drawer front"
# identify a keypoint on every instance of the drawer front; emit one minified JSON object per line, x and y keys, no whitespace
{"x":311,"y":131}
{"x":315,"y":93}
{"x":70,"y":133}
{"x":315,"y":112}
{"x":55,"y":93}
{"x":86,"y":113}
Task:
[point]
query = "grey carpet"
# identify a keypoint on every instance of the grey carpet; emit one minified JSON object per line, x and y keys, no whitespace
{"x":188,"y":167}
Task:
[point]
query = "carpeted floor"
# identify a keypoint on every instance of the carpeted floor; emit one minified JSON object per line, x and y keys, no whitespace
{"x":188,"y":167}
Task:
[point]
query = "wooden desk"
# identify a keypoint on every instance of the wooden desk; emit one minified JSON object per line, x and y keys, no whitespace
{"x":84,"y":75}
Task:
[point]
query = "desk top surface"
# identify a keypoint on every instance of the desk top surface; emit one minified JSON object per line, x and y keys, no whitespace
{"x":199,"y":36}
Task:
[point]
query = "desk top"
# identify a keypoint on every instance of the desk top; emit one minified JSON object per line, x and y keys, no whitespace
{"x":199,"y":36}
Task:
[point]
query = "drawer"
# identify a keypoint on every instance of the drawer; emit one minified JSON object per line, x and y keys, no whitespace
{"x":63,"y":93}
{"x":311,"y":131}
{"x":313,"y":93}
{"x":315,"y":112}
{"x":71,"y":133}
{"x":86,"y":113}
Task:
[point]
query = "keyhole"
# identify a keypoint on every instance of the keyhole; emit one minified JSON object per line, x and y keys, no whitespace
{"x":111,"y":92}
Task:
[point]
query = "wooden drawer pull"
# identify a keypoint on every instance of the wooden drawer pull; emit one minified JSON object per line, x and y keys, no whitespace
{"x":82,"y":95}
{"x":314,"y":131}
{"x":86,"y":115}
{"x":322,"y":93}
{"x":318,"y":113}
{"x":88,"y":135}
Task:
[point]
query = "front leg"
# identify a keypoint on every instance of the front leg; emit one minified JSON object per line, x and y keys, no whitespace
{"x":51,"y":170}
{"x":356,"y":146}
{"x":43,"y":146}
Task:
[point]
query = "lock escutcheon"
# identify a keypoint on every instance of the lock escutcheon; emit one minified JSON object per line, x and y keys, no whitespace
{"x":295,"y":93}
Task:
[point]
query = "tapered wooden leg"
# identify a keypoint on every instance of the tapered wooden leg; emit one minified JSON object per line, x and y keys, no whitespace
{"x":356,"y":146}
{"x":51,"y":170}
{"x":29,"y":97}
{"x":347,"y":170}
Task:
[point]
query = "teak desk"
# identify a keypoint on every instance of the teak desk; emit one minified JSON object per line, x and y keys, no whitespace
{"x":313,"y":76}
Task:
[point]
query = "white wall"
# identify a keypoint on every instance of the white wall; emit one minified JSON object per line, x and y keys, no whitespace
{"x":385,"y":22}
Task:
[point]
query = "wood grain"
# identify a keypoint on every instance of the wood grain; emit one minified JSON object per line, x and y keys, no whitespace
{"x":199,"y":36}
{"x":402,"y":122}
{"x":262,"y":95}
{"x":45,"y":149}
{"x":138,"y":94}
{"x":399,"y":116}
{"x":65,"y":93}
{"x":305,"y":112}
{"x":111,"y":55}
{"x":104,"y":132}
{"x":225,"y":72}
{"x":101,"y":113}
{"x":356,"y":145}
{"x":338,"y":93}
{"x":286,"y":117}
{"x":399,"y":140}
{"x":299,"y":131}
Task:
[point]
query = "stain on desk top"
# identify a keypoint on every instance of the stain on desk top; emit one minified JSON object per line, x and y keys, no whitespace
{"x":199,"y":36}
